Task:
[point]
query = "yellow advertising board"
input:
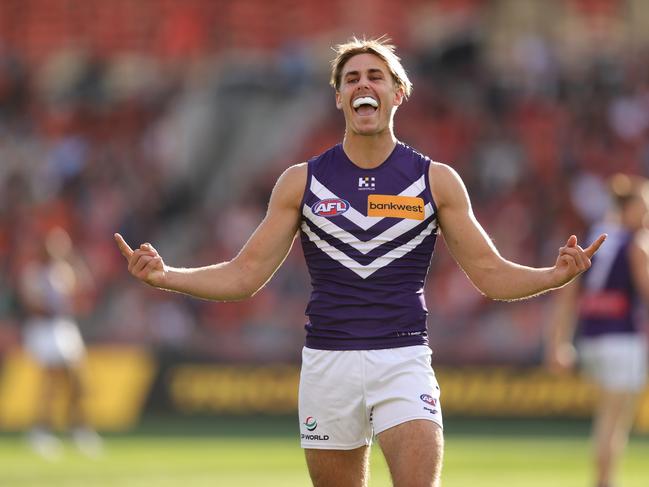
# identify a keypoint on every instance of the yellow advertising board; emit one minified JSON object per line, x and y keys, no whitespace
{"x":227,"y":389}
{"x":466,"y":391}
{"x":118,"y":383}
{"x":121,"y":379}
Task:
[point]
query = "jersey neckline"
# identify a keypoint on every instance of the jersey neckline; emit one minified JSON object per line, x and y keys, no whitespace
{"x":385,"y":163}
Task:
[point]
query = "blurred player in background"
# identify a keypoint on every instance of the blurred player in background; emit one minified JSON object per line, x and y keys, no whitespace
{"x":50,"y":285}
{"x":368,"y":212}
{"x":603,"y":313}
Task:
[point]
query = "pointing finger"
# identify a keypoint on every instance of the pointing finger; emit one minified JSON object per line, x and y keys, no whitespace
{"x":594,"y":247}
{"x":124,"y":248}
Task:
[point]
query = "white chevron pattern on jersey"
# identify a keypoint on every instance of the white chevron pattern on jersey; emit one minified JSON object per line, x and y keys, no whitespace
{"x":364,"y":271}
{"x":390,"y":234}
{"x":354,"y":216}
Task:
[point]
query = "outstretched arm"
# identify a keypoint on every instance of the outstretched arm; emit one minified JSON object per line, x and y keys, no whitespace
{"x":469,"y":244}
{"x":639,"y":263}
{"x":560,"y":353}
{"x":253,"y":266}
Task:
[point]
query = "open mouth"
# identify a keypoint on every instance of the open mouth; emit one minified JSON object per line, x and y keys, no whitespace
{"x":365,"y":105}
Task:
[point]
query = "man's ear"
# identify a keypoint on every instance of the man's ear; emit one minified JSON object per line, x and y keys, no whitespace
{"x":339,"y":102}
{"x":399,"y":96}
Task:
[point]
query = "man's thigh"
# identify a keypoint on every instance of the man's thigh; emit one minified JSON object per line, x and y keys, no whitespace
{"x":338,"y":468}
{"x":401,"y":386}
{"x":332,"y":410}
{"x":413,"y":451}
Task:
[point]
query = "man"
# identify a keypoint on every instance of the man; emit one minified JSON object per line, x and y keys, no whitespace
{"x":368,"y":212}
{"x":50,"y":287}
{"x":605,"y":309}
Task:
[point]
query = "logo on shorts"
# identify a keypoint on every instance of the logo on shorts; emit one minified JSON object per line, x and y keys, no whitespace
{"x":428,"y":399}
{"x":330,"y":207}
{"x":315,"y":437}
{"x":310,"y":423}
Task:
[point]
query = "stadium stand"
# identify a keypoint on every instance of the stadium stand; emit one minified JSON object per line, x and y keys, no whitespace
{"x":169,"y":121}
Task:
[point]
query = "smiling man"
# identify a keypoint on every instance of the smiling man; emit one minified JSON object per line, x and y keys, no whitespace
{"x":368,"y":212}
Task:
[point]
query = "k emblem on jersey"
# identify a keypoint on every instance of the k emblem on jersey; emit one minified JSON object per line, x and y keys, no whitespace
{"x":367,"y":183}
{"x":409,"y":207}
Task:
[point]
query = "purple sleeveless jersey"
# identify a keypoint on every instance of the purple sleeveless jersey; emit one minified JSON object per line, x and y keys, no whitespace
{"x":609,"y":301}
{"x":368,"y":236}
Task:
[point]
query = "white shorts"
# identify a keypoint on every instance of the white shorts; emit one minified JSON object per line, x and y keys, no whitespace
{"x":346,"y":397}
{"x":616,"y":362}
{"x":54,"y":342}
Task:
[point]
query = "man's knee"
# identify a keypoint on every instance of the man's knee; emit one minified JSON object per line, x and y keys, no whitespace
{"x":414,"y":452}
{"x":338,"y":468}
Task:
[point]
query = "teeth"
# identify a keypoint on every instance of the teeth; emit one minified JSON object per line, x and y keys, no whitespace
{"x":365,"y":100}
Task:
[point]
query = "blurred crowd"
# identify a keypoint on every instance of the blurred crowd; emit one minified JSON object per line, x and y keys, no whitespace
{"x":178,"y":142}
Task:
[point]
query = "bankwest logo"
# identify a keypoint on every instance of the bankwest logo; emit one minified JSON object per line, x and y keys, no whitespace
{"x":395,"y":206}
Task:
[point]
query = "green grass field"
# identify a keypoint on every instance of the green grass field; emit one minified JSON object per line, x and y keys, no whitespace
{"x":263,"y":453}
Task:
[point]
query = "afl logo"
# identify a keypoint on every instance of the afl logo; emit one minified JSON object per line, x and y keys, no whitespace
{"x":330,"y":207}
{"x":428,"y":399}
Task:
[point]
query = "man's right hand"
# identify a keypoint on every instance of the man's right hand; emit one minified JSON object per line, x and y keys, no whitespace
{"x":144,"y":263}
{"x":561,"y":358}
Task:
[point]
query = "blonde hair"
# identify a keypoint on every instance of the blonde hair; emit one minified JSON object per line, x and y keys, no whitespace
{"x":381,"y":48}
{"x":625,"y":188}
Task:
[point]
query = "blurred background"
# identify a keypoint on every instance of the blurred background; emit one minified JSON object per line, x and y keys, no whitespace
{"x":169,"y":121}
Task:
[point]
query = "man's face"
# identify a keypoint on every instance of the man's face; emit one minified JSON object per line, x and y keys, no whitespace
{"x":642,"y":210}
{"x":368,"y":95}
{"x":635,"y":212}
